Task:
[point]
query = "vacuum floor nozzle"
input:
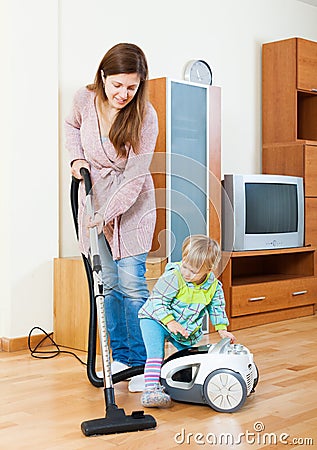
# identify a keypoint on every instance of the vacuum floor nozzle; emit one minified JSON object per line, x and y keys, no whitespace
{"x":116,"y":421}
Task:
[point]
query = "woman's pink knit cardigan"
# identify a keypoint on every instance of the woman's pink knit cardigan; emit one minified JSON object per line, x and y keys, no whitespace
{"x":123,"y":187}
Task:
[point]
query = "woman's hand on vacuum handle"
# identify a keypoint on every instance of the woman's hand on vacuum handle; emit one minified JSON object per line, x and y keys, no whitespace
{"x":97,"y":221}
{"x":77,"y":165}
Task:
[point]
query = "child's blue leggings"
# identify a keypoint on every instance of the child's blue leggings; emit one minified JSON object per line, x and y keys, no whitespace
{"x":154,"y":336}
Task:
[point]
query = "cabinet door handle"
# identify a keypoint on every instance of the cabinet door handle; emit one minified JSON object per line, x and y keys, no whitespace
{"x":256,"y":299}
{"x":299,"y":293}
{"x":314,"y":90}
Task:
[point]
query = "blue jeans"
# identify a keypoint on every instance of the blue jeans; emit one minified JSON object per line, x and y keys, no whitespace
{"x":125,"y":292}
{"x":154,"y":336}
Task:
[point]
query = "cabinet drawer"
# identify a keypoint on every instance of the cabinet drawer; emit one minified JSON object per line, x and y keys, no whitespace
{"x":154,"y":267}
{"x":261,"y":297}
{"x":306,"y":64}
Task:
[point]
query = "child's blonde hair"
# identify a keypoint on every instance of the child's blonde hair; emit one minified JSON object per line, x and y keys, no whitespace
{"x":201,"y":252}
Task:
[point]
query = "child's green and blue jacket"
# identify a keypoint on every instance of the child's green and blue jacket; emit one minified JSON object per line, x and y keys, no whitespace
{"x":173,"y":298}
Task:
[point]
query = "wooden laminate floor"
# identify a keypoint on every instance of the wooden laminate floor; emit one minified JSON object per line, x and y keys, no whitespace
{"x":43,"y":402}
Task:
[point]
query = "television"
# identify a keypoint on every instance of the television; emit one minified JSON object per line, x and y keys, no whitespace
{"x":262,"y":212}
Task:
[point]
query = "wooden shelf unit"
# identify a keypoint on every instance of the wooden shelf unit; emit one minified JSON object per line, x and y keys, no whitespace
{"x":270,"y":285}
{"x":289,"y":118}
{"x":289,"y":91}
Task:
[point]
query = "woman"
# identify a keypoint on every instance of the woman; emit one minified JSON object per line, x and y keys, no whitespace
{"x":112,"y":131}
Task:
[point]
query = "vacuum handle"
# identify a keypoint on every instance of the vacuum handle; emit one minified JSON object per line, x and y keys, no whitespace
{"x":93,"y":234}
{"x":98,"y":286}
{"x":86,"y":177}
{"x":220,"y":347}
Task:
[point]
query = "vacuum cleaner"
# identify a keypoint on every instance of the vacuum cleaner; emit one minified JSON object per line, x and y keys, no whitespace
{"x":220,"y":375}
{"x":115,"y":420}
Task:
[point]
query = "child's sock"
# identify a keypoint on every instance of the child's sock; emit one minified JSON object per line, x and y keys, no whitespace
{"x":152,"y":371}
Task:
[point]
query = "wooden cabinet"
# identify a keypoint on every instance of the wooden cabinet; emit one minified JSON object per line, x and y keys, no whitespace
{"x":306,"y":65}
{"x":289,"y":118}
{"x":71,"y":303}
{"x":289,"y":91}
{"x":71,"y":299}
{"x":297,"y":159}
{"x":186,"y":166}
{"x":267,"y":286}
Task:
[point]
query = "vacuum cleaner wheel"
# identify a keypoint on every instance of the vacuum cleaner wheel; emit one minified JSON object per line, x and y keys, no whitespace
{"x":225,"y":390}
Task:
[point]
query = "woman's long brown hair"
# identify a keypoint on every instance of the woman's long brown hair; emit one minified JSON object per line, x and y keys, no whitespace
{"x":126,"y":128}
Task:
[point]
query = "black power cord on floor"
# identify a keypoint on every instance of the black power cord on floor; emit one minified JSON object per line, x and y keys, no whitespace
{"x":47,"y":354}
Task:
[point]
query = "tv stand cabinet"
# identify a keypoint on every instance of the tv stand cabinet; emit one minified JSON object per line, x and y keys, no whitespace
{"x":267,"y":286}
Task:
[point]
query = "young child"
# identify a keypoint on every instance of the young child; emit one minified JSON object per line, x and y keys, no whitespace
{"x":176,"y":307}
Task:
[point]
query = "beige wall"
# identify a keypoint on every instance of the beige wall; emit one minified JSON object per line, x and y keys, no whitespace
{"x":29,"y":163}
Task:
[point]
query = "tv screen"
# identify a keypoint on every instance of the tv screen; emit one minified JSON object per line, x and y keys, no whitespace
{"x":271,"y":208}
{"x":262,"y":211}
